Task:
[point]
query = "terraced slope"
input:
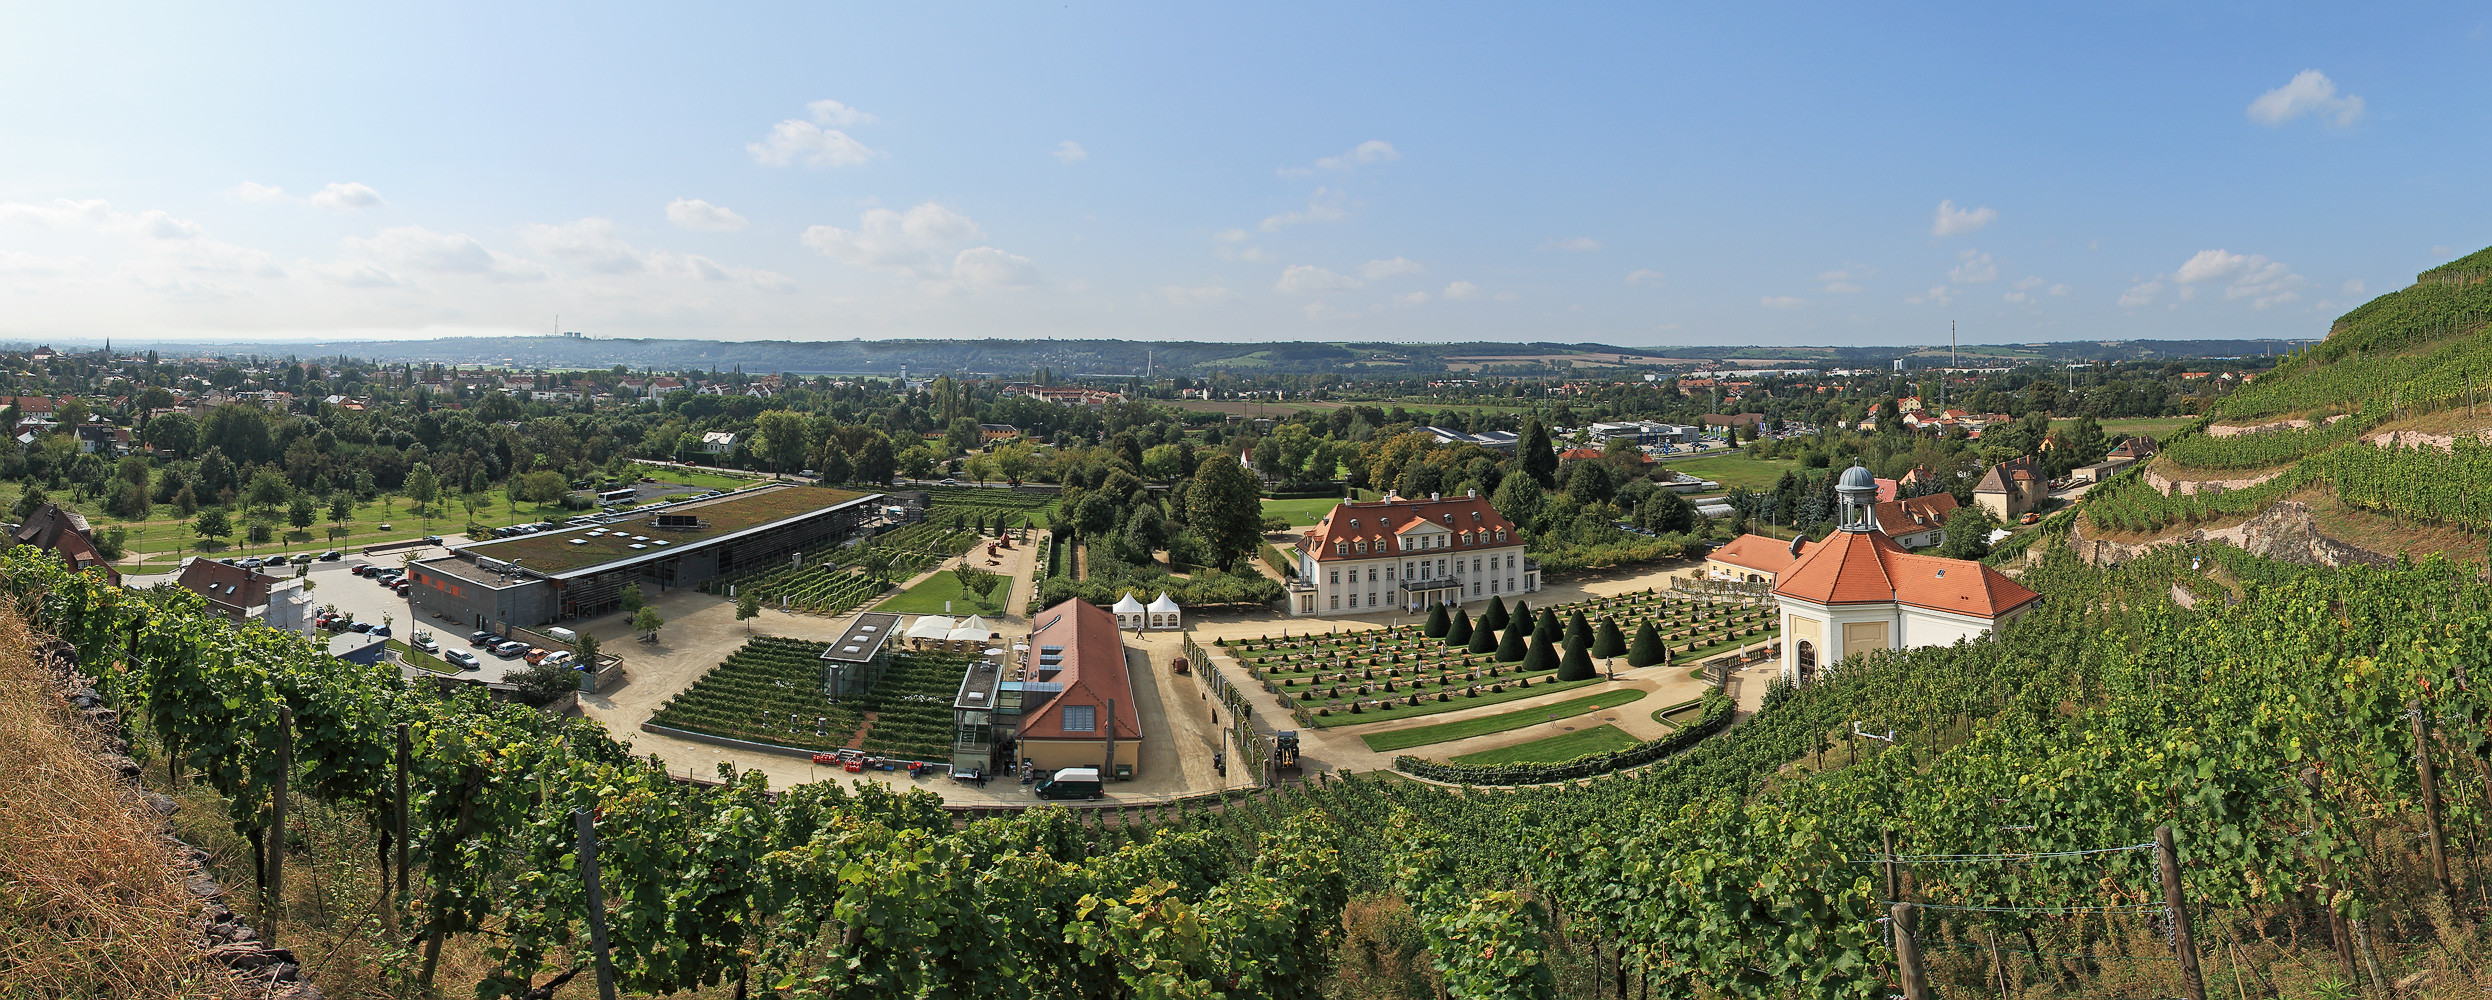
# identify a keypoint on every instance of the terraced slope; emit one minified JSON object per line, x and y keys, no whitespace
{"x":2388,"y":416}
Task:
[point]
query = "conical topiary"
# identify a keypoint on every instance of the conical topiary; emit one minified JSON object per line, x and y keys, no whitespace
{"x":1495,"y":616}
{"x":1483,"y":638}
{"x":1578,"y":632}
{"x":1609,"y":642}
{"x":1458,"y":631}
{"x":1543,"y":655}
{"x":1437,"y":624}
{"x":1648,"y":649}
{"x":1522,"y":613}
{"x":1510,"y":649}
{"x":1577,"y":665}
{"x":1548,"y":625}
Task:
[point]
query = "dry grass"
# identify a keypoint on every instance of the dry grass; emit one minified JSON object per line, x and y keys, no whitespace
{"x":92,"y":903}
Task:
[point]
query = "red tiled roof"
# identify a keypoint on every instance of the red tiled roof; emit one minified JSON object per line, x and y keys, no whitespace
{"x":1865,"y":567}
{"x":1092,"y":672}
{"x":1377,"y":521}
{"x":1913,"y":514}
{"x":1759,"y":553}
{"x":226,"y":587}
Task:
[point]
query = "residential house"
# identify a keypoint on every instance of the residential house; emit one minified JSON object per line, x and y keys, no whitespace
{"x":65,"y":533}
{"x":718,"y":443}
{"x":2011,"y":488}
{"x":245,"y":595}
{"x":1076,"y":692}
{"x":1914,"y":522}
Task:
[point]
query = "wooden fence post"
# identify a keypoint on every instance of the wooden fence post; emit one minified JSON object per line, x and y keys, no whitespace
{"x":2176,"y":909}
{"x":404,"y":753}
{"x":1907,"y":953}
{"x":2430,"y":775}
{"x":273,"y":908}
{"x":596,"y":904}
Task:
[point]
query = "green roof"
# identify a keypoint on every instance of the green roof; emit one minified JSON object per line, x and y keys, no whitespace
{"x":553,"y":553}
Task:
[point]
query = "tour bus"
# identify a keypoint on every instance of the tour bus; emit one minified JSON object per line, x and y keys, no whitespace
{"x":618,"y":495}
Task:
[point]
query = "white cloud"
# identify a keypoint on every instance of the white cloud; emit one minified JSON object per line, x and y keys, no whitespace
{"x":2243,"y":276}
{"x":2059,"y":289}
{"x":1782,"y":302}
{"x":1937,"y":295}
{"x":1973,"y":268}
{"x":590,"y":242}
{"x":1232,"y":236}
{"x":1463,"y":291}
{"x":694,"y":213}
{"x":258,"y":194}
{"x":1308,"y":279}
{"x":166,"y":246}
{"x":2309,"y":93}
{"x":1069,"y":152}
{"x":2353,"y":286}
{"x":1323,"y":206}
{"x":1645,"y":276}
{"x":2027,"y":283}
{"x":1840,"y":280}
{"x":1379,"y":270}
{"x":1953,"y":221}
{"x":346,"y":197}
{"x":34,"y":265}
{"x":1370,"y":152}
{"x":421,"y":249}
{"x":987,"y":267}
{"x":1572,"y":244}
{"x":2141,"y":294}
{"x":829,"y":112}
{"x":1197,"y":295}
{"x":815,"y":142}
{"x":897,"y":241}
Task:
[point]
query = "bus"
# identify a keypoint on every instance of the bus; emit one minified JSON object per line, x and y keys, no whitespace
{"x":619,"y":495}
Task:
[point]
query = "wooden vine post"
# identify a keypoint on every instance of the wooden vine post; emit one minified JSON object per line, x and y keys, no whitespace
{"x":273,"y":907}
{"x":400,"y":820}
{"x":1916,"y":985}
{"x":2176,"y":909}
{"x":596,"y":904}
{"x":2430,"y":775}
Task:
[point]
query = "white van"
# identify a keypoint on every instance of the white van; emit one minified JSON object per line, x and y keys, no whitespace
{"x":563,"y":635}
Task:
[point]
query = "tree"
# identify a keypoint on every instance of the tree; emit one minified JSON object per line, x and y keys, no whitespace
{"x":1576,"y":665}
{"x":976,"y":582}
{"x":1225,"y":508}
{"x":1968,"y":533}
{"x":1666,"y":513}
{"x":1543,"y":654}
{"x":1539,"y":455}
{"x":1648,"y":649}
{"x":1578,"y":631}
{"x":782,"y":439}
{"x":186,"y":501}
{"x":1522,"y":617}
{"x":648,"y":620}
{"x":747,"y":607}
{"x":173,"y":432}
{"x":1495,"y":616}
{"x":1438,"y":623}
{"x":1483,"y":638}
{"x":423,"y":486}
{"x":1591,"y":483}
{"x":542,"y":487}
{"x":542,"y":683}
{"x":631,"y":598}
{"x":1458,"y":631}
{"x":586,"y":650}
{"x":1511,"y":648}
{"x":1610,"y":642}
{"x":211,"y":524}
{"x":836,"y":467}
{"x":1519,"y":498}
{"x":302,"y":511}
{"x":269,"y":488}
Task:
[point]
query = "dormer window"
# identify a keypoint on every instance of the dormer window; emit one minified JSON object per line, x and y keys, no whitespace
{"x":1342,"y":547}
{"x":1501,"y":534}
{"x":1362,"y":546}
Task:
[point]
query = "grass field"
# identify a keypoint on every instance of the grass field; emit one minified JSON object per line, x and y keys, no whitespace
{"x":1442,"y":732}
{"x":1734,"y":471}
{"x":1556,"y":749}
{"x":928,"y":596}
{"x":421,"y":660}
{"x":2157,"y":428}
{"x":1302,"y":512}
{"x":1430,"y":707}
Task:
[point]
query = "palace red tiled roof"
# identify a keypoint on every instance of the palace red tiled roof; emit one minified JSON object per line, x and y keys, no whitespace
{"x":1865,"y":567}
{"x":1380,"y":524}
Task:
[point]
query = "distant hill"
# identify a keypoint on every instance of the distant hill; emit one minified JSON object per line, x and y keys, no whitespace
{"x":2380,"y":430}
{"x":1121,"y":358}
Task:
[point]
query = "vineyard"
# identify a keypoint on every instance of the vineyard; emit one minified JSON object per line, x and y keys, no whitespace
{"x":1341,"y":678}
{"x":2325,"y":832}
{"x":2412,"y":484}
{"x":821,"y":588}
{"x":770,"y":691}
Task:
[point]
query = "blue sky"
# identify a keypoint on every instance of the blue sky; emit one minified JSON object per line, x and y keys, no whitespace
{"x":1628,"y":174}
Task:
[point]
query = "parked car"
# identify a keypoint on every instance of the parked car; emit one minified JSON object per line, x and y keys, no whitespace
{"x":424,"y":641}
{"x":364,"y":627}
{"x":301,"y":559}
{"x":360,"y":569}
{"x":381,"y":631}
{"x":254,"y":562}
{"x":481,"y":639}
{"x":332,"y":555}
{"x":461,"y":659}
{"x":950,"y":482}
{"x":432,"y":539}
{"x":509,"y":648}
{"x":536,"y":653}
{"x":556,"y":658}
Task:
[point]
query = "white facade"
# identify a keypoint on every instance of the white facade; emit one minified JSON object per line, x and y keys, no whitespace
{"x":1816,"y":636}
{"x":1164,"y":613}
{"x":1426,"y":561}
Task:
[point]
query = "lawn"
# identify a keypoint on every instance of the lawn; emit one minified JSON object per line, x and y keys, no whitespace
{"x":694,"y":477}
{"x":1736,"y":470}
{"x":928,"y":596}
{"x":1556,"y":749}
{"x":2157,"y":428}
{"x":1302,"y":512}
{"x":1401,"y":739}
{"x":1428,"y":706}
{"x":421,"y":660}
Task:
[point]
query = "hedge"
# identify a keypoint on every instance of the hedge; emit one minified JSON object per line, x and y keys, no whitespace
{"x":1717,"y":715}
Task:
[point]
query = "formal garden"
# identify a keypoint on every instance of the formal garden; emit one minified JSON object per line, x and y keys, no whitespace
{"x":770,"y":691}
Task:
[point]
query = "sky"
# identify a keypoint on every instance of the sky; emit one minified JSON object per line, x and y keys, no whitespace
{"x":1631,"y":174}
